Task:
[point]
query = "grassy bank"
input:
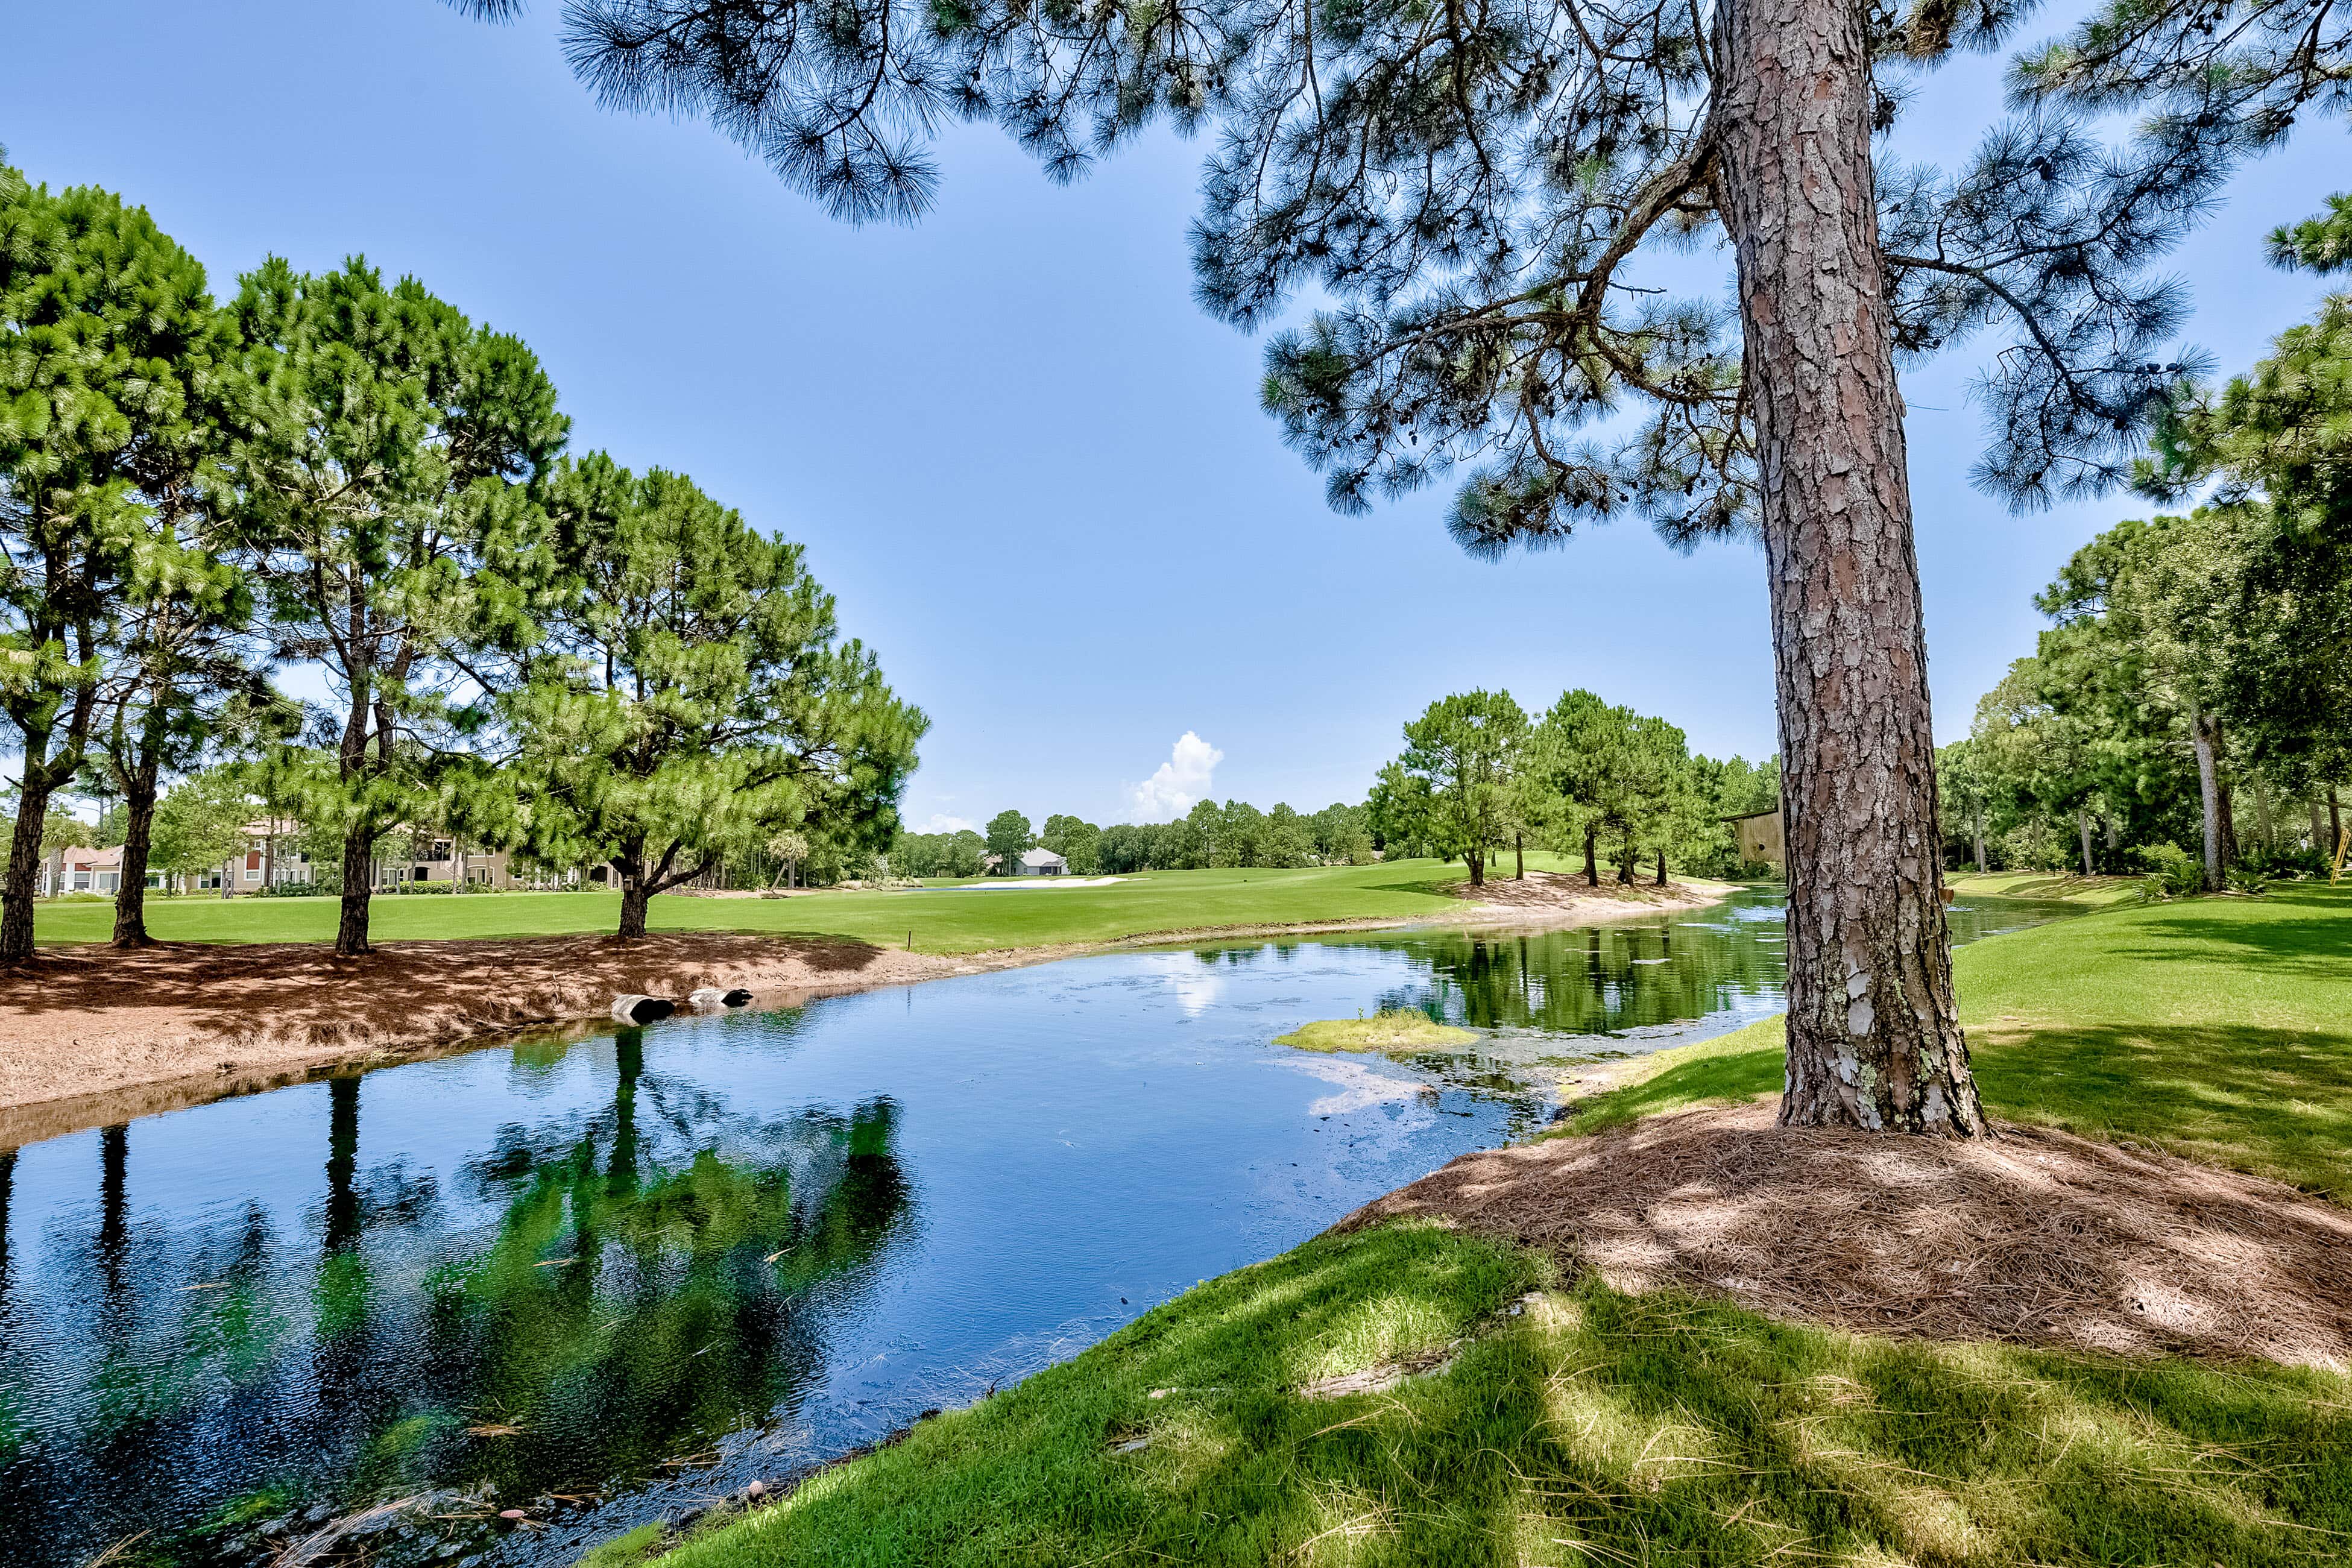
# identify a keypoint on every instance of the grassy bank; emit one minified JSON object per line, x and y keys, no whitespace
{"x":1586,"y":1427}
{"x":948,"y":919}
{"x":2218,"y":1028}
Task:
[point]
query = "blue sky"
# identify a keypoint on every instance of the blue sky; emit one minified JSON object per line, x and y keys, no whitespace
{"x":1032,"y":472}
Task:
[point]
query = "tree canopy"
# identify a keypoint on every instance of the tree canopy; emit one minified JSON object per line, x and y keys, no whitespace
{"x":107,"y":335}
{"x":691,"y":694}
{"x":343,"y":472}
{"x":383,"y":471}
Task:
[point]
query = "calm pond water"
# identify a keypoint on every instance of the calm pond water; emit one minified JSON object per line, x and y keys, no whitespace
{"x":609,"y":1279}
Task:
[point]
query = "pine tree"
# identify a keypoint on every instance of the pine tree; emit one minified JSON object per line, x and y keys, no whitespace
{"x":1452,"y":786}
{"x":106,"y":333}
{"x":1475,"y":189}
{"x":690,"y":698}
{"x":2277,"y":445}
{"x":384,"y":466}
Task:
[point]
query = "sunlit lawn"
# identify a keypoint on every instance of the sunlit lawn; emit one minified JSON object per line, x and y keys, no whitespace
{"x":945,"y":919}
{"x":1588,"y":1428}
{"x":2219,"y":1027}
{"x":2090,"y":892}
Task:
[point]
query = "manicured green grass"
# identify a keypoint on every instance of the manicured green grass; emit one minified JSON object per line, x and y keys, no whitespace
{"x":2219,"y":1027}
{"x":941,"y":920}
{"x":2092,"y":891}
{"x":1587,"y":1429}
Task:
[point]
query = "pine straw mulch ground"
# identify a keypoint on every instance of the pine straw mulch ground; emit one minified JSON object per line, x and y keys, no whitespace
{"x":86,"y":1020}
{"x":2040,"y":1236}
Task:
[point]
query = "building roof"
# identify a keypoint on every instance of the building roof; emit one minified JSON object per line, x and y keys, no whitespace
{"x":81,"y":854}
{"x":1042,"y":857}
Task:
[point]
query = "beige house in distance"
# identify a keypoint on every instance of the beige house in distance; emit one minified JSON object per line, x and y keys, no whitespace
{"x":272,"y":857}
{"x":80,"y":870}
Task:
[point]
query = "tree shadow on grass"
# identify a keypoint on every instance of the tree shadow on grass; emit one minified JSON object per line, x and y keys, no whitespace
{"x":1590,"y":1427}
{"x":2275,"y":1102}
{"x":2300,"y":933}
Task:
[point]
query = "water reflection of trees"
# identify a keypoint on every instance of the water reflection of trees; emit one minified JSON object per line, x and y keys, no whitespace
{"x":655,"y":1273}
{"x":636,"y":1304}
{"x":1590,"y":981}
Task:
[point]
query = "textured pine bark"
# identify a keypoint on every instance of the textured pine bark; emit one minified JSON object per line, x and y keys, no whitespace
{"x":1873,"y":1040}
{"x":24,"y":869}
{"x":635,"y":902}
{"x":138,"y":835}
{"x":352,"y":921}
{"x":2209,"y":792}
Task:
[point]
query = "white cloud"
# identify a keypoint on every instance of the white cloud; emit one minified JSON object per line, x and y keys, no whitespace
{"x":1182,"y":780}
{"x":940,"y":822}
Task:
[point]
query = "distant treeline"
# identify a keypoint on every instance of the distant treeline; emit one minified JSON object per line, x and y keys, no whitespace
{"x":1234,"y":834}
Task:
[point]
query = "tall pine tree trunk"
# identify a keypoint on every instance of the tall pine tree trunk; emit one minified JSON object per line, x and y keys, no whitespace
{"x":1979,"y":823}
{"x":1519,"y":857}
{"x":2083,"y":824}
{"x":138,"y":834}
{"x":1592,"y":857}
{"x":40,"y":774}
{"x":24,"y":868}
{"x":634,"y":903}
{"x":1662,"y":868}
{"x":2208,"y":794}
{"x":358,"y":884}
{"x":631,"y":866}
{"x":1873,"y":1040}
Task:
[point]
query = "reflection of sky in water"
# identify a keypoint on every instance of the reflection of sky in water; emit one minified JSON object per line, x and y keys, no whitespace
{"x":763,"y":1237}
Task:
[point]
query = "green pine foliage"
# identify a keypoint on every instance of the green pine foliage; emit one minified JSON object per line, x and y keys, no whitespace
{"x":691,"y":695}
{"x":383,"y":471}
{"x":343,"y":471}
{"x":1451,"y":788}
{"x":107,"y":335}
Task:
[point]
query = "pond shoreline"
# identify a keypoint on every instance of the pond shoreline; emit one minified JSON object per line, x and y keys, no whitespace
{"x":96,"y":1036}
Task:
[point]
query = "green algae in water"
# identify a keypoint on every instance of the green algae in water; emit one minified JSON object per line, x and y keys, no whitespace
{"x":1390,"y":1029}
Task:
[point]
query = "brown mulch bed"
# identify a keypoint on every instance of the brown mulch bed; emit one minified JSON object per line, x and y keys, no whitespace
{"x":2039,"y":1236}
{"x":81,"y":1020}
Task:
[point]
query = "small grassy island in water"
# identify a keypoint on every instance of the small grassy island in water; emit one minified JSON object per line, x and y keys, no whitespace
{"x":1396,"y":1028}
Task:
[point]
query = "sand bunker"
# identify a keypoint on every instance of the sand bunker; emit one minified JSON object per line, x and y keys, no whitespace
{"x":2039,"y":1237}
